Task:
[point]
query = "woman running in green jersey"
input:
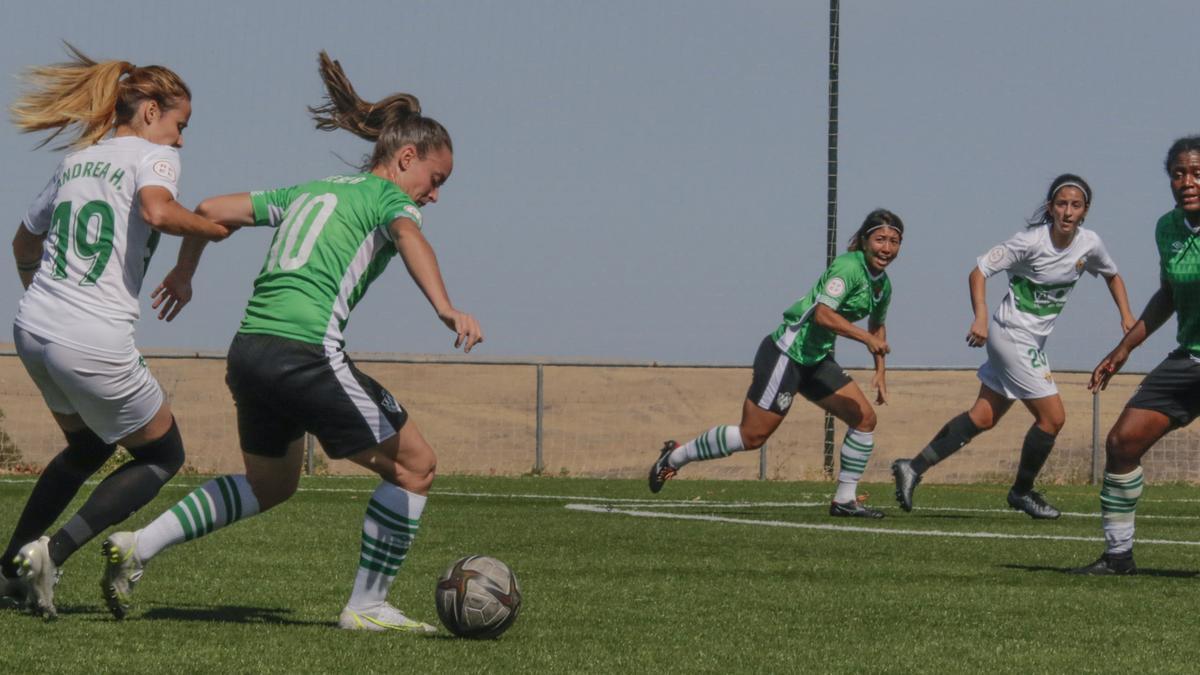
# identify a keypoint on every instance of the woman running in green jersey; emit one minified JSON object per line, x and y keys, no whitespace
{"x":287,"y":368}
{"x":798,"y":357}
{"x":1169,"y":396}
{"x":1043,"y":262}
{"x":82,"y":251}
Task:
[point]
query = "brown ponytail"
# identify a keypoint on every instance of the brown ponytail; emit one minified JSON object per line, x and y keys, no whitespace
{"x":390,"y":123}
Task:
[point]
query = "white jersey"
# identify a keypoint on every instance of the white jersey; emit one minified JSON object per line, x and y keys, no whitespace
{"x":1040,"y":276}
{"x":85,"y":293}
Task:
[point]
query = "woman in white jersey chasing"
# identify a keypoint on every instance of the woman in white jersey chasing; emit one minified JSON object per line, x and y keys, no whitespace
{"x":1168,"y":398}
{"x":798,"y":358}
{"x":287,"y":369}
{"x":82,"y":251}
{"x":1043,"y":262}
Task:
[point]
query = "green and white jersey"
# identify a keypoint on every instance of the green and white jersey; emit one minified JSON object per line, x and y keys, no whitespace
{"x":1040,"y":276}
{"x":85,"y":293}
{"x":333,"y":241}
{"x":1179,"y":268}
{"x":848,"y":288}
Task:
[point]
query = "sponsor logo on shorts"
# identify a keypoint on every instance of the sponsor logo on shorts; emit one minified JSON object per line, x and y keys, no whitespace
{"x":389,"y":404}
{"x":163,"y":168}
{"x":784,"y":400}
{"x":835,"y":287}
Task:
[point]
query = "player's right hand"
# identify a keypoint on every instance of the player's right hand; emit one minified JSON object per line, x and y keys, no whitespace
{"x":465,"y":327}
{"x":978,"y":333}
{"x":877,"y":346}
{"x":1107,"y":368}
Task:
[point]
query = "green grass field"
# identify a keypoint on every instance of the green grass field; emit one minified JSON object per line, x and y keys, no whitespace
{"x":706,"y":577}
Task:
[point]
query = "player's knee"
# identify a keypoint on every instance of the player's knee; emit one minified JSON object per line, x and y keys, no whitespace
{"x":165,"y":452}
{"x":1052,"y":424}
{"x":866,"y":421}
{"x":754,"y":439}
{"x":271,"y":491}
{"x":84,"y":455}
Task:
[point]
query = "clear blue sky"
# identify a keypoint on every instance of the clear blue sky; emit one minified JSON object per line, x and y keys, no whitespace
{"x":645,"y":180}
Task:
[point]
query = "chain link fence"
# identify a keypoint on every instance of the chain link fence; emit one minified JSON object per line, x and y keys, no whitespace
{"x":608,"y":419}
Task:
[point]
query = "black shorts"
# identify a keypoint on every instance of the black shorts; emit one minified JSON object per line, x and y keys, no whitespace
{"x":777,"y":378}
{"x":283,"y":388}
{"x":1172,"y":388}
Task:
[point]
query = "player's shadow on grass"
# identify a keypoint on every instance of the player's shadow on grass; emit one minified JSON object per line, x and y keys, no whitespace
{"x":1141,"y":571}
{"x":229,"y":614}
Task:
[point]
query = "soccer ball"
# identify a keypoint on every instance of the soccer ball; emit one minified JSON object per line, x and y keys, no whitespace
{"x":478,"y":597}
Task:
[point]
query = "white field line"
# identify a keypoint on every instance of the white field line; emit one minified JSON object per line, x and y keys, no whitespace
{"x":852,"y":528}
{"x":656,"y":503}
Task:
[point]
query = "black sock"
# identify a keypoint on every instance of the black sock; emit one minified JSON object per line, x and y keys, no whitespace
{"x":123,"y":492}
{"x":55,"y":488}
{"x":953,"y":436}
{"x":1034,"y":452}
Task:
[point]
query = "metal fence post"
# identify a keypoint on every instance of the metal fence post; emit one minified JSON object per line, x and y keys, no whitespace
{"x":309,"y":449}
{"x":538,"y":464}
{"x":762,"y":462}
{"x":1097,"y":459}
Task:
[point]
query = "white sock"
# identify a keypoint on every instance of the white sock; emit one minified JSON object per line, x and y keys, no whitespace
{"x":217,"y":503}
{"x":717,"y":442}
{"x":393,"y":517}
{"x":1118,"y":506}
{"x":856,"y":451}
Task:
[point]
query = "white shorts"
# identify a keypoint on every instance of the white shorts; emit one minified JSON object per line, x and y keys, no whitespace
{"x":1016,"y":365}
{"x":114,"y":396}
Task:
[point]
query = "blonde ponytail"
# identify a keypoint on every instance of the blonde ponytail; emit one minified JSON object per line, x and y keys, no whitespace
{"x":90,"y":96}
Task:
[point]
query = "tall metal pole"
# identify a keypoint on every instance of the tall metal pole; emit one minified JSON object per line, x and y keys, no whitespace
{"x":832,"y":175}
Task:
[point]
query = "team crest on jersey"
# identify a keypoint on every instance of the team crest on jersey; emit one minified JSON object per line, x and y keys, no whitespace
{"x":389,"y":404}
{"x":414,"y":213}
{"x":996,"y":254}
{"x":1177,"y":246}
{"x":784,"y":400}
{"x":1079,"y":264}
{"x":835,"y":287}
{"x":163,"y":168}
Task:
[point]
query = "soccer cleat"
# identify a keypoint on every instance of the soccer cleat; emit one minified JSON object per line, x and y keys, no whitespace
{"x":907,"y":480}
{"x":122,"y":570}
{"x":855,"y":508}
{"x":1032,"y":503}
{"x":38,"y":572}
{"x":1109,"y":565}
{"x":662,"y":469}
{"x":12,"y":592}
{"x":382,"y":618}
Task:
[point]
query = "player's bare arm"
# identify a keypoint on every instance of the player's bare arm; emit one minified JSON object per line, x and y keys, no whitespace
{"x":422,"y":265}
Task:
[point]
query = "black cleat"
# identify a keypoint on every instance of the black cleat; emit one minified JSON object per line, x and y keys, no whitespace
{"x":907,"y":480}
{"x":855,"y":508}
{"x":1032,"y":503}
{"x":662,"y":469}
{"x":1109,"y":565}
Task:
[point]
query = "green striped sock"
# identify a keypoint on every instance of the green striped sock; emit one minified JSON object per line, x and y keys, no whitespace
{"x":721,"y":441}
{"x":1118,"y":506}
{"x":856,"y":452}
{"x":392,"y":520}
{"x":217,"y":503}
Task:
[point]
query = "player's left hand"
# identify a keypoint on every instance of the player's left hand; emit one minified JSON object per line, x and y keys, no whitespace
{"x":879,"y":382}
{"x":172,"y":294}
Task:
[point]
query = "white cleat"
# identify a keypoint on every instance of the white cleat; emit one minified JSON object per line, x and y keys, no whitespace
{"x":38,"y":572}
{"x":122,"y":570}
{"x":382,"y":618}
